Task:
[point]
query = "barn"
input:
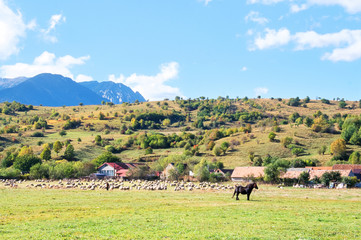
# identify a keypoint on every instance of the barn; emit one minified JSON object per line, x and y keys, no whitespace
{"x":247,"y":173}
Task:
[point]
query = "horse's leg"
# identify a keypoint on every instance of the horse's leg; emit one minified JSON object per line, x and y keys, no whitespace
{"x":235,"y":190}
{"x":237,"y":198}
{"x":248,"y":194}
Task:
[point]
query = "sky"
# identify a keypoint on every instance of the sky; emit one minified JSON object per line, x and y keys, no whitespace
{"x":190,"y":48}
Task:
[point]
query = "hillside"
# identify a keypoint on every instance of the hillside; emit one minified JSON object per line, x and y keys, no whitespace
{"x":183,"y":129}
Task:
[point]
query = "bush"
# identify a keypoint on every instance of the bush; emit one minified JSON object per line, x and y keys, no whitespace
{"x":350,"y":181}
{"x":25,"y":162}
{"x":148,"y":150}
{"x":62,"y":133}
{"x":286,"y":141}
{"x":297,"y":151}
{"x":37,"y":134}
{"x":10,"y":172}
{"x":272,"y":136}
{"x":327,"y":177}
{"x":217,"y":151}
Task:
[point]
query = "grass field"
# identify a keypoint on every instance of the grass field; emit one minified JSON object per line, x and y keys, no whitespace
{"x":272,"y":213}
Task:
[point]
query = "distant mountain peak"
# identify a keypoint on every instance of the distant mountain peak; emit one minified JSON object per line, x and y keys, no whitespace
{"x":114,"y":92}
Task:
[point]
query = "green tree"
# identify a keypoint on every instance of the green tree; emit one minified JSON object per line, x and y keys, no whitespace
{"x":304,"y":177}
{"x":57,"y":147}
{"x":69,"y":152}
{"x":328,"y":177}
{"x":105,"y":157}
{"x":272,"y":173}
{"x":98,"y":140}
{"x":46,"y":153}
{"x":355,"y":158}
{"x":201,"y":171}
{"x":217,"y":151}
{"x":342,"y":104}
{"x":224,"y":147}
{"x":25,"y":162}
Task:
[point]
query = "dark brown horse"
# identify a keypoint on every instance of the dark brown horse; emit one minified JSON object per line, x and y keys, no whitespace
{"x":244,"y":190}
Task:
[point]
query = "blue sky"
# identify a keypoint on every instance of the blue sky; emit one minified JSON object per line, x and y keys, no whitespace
{"x":190,"y":48}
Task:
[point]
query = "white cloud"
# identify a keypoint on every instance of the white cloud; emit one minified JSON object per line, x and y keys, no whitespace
{"x":45,"y":63}
{"x":153,"y":87}
{"x":266,"y":2}
{"x":298,"y":8}
{"x":244,"y":69}
{"x":351,"y":6}
{"x":54,"y":20}
{"x":255,"y":17}
{"x":206,"y":2}
{"x":12,"y":29}
{"x":260,"y":91}
{"x":346,"y":43}
{"x":272,"y":38}
{"x":83,"y":78}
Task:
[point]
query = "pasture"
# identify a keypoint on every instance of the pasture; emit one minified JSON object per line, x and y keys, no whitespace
{"x":272,"y":213}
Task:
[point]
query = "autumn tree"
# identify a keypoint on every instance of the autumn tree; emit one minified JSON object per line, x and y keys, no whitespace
{"x":338,"y":148}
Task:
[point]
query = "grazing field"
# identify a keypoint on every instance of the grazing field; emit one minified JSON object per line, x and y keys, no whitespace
{"x":272,"y":213}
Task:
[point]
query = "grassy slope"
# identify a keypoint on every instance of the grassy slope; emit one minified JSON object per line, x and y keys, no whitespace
{"x":237,"y":157}
{"x":272,"y":213}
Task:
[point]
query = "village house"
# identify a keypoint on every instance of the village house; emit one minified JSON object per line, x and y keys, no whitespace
{"x":171,"y":166}
{"x":355,"y":168}
{"x":294,"y":173}
{"x":223,"y":171}
{"x":117,"y":169}
{"x":247,"y":173}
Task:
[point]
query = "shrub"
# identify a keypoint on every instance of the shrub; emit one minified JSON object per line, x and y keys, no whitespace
{"x":297,"y":151}
{"x":37,"y":134}
{"x":286,"y":141}
{"x":217,"y":151}
{"x":62,"y":133}
{"x":350,"y":181}
{"x":148,"y":150}
{"x":271,"y":136}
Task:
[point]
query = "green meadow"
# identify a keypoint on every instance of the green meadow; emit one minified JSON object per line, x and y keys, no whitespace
{"x":272,"y":213}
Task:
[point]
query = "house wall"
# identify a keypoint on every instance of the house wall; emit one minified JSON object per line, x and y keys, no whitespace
{"x":107,"y":171}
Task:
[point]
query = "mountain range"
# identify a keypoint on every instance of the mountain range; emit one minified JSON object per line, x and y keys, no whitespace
{"x":55,"y":90}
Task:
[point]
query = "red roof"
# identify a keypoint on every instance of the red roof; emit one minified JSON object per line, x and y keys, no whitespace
{"x":245,"y":172}
{"x":121,"y":168}
{"x":346,"y":167}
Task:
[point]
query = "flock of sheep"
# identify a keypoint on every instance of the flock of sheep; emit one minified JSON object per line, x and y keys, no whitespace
{"x":112,"y":184}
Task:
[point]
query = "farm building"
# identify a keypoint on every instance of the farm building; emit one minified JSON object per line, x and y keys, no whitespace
{"x":355,"y":168}
{"x":294,"y":173}
{"x":117,"y":169}
{"x":171,"y":166}
{"x":247,"y":173}
{"x":319,"y":173}
{"x":223,"y":171}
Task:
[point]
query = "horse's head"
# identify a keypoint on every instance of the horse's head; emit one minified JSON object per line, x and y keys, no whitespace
{"x":255,"y":185}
